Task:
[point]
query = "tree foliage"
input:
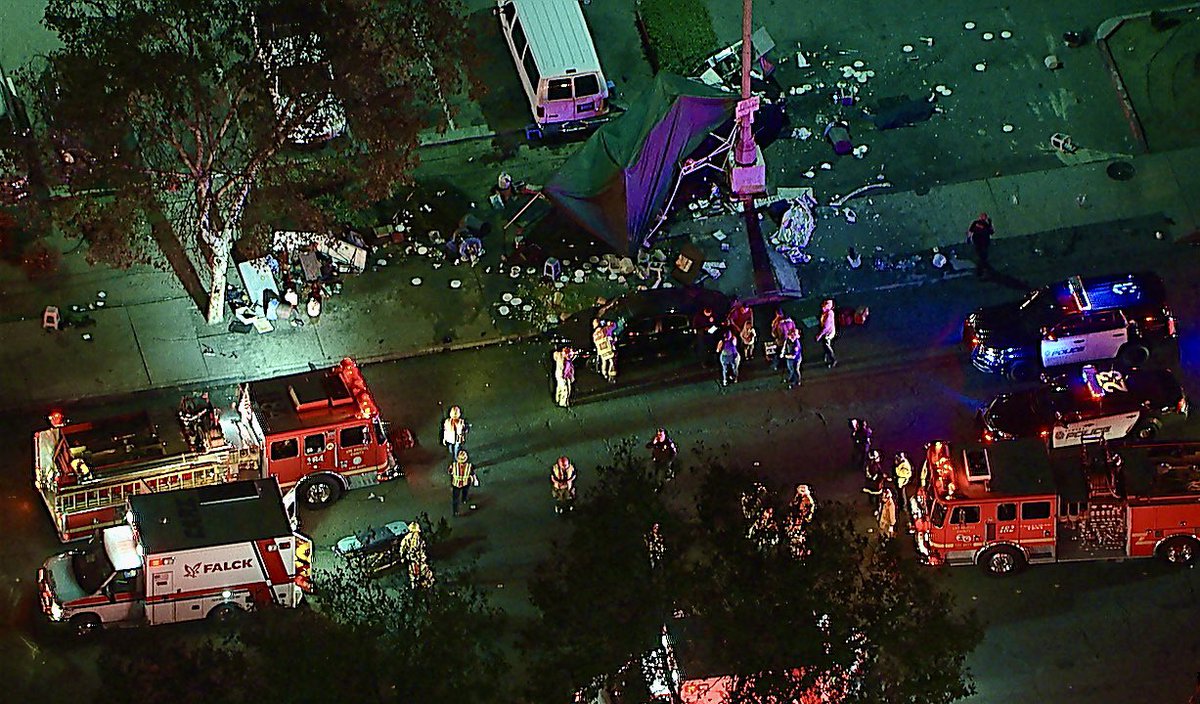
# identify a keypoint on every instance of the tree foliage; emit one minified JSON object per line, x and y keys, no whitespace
{"x":182,"y":107}
{"x":841,"y":618}
{"x":365,"y":641}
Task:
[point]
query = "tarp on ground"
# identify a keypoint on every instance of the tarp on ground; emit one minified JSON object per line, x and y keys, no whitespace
{"x":618,"y":181}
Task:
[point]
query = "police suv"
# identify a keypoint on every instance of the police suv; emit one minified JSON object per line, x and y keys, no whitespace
{"x":1071,"y":322}
{"x":1100,"y":402}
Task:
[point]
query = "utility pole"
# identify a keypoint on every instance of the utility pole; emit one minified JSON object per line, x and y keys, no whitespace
{"x":749,"y":173}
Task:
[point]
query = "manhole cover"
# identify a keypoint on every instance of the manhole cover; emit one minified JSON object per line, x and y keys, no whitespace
{"x":1120,"y":171}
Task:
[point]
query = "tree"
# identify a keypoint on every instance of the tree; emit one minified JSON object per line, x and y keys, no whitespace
{"x":191,"y":110}
{"x":365,"y":641}
{"x":816,"y":614}
{"x":602,"y":601}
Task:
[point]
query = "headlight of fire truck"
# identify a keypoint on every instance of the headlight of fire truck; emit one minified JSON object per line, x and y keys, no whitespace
{"x":56,"y":611}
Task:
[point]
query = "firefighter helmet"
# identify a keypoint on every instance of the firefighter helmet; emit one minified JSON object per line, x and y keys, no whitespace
{"x":455,"y":412}
{"x":462,"y":455}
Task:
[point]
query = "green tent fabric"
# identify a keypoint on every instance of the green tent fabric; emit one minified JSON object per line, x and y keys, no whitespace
{"x":615,"y":186}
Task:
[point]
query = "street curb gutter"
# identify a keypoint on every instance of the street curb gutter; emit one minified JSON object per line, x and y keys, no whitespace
{"x":38,"y":406}
{"x":1108,"y":28}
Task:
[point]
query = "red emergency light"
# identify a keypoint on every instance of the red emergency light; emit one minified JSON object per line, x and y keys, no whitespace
{"x":352,"y":378}
{"x":57,"y":419}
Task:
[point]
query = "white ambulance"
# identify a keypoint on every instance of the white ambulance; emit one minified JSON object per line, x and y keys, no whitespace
{"x":210,"y":552}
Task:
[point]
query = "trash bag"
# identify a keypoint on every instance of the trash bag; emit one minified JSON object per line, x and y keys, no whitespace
{"x":239,"y":326}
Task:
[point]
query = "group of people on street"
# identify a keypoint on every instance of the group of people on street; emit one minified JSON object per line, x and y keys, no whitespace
{"x":887,"y":487}
{"x":563,"y":474}
{"x":790,"y":349}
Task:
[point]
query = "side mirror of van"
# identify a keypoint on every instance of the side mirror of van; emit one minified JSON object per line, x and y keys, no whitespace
{"x":108,"y":593}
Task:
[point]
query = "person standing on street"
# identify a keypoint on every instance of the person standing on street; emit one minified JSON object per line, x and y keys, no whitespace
{"x":663,"y":452}
{"x":887,"y":515}
{"x":828,"y":332}
{"x":748,"y":339}
{"x":564,"y":376}
{"x":873,"y":478}
{"x":462,"y":476}
{"x":860,"y":435}
{"x":903,"y":472}
{"x":980,"y":234}
{"x":606,"y":349}
{"x":562,"y":484}
{"x":454,"y":431}
{"x":739,"y":314}
{"x":731,"y":359}
{"x":779,"y":331}
{"x":792,"y":354}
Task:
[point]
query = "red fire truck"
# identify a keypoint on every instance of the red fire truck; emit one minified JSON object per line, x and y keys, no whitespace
{"x":210,"y":552}
{"x":319,"y":431}
{"x":1005,"y":506}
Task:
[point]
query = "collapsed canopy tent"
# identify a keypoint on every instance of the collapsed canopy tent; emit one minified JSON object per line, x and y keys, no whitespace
{"x":616,"y":184}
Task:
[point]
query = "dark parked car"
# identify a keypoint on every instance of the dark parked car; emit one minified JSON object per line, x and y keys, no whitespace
{"x":1071,"y":322}
{"x":1098,"y":402}
{"x":649,"y":323}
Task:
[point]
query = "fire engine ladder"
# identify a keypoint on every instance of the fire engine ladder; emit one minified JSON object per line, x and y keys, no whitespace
{"x":107,"y":493}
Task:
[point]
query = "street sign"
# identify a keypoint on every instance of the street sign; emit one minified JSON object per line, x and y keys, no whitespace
{"x":746,"y":108}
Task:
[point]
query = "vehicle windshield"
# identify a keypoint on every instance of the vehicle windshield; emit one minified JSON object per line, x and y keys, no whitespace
{"x":91,"y":566}
{"x":938,"y":515}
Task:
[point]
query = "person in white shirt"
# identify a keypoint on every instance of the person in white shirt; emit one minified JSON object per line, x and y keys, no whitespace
{"x":828,"y":332}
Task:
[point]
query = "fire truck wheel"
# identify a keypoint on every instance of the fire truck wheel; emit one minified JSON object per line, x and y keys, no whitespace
{"x":1147,"y":430}
{"x":1133,"y":354}
{"x":1021,"y":371}
{"x":320,"y":492}
{"x":1002,"y":561}
{"x":1180,"y":550}
{"x":86,"y":625}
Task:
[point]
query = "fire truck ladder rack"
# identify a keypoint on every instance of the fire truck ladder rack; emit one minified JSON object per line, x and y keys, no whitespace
{"x":183,"y":472}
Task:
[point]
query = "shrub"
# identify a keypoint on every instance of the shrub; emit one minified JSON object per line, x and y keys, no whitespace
{"x":678,"y":34}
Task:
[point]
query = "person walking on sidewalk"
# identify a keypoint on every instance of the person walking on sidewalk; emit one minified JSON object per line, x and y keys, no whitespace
{"x":462,"y":477}
{"x":980,"y":234}
{"x":562,"y":484}
{"x":792,"y":355}
{"x":779,"y":332}
{"x":730,"y":358}
{"x":606,"y":348}
{"x":454,"y":431}
{"x":564,"y":376}
{"x":828,"y":332}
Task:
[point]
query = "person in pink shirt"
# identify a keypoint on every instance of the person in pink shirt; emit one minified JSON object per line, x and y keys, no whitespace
{"x":828,"y":332}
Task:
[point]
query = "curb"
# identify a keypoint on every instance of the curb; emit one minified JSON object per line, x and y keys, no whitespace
{"x":37,"y":406}
{"x":1108,"y":28}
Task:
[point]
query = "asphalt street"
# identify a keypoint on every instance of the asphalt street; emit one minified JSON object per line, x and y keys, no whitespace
{"x":1052,"y":632}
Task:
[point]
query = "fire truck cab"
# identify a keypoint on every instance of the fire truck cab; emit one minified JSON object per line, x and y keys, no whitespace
{"x":321,"y":432}
{"x":210,"y":552}
{"x":1002,"y":507}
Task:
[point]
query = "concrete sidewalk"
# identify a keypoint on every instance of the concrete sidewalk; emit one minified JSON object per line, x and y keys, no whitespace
{"x":148,"y":334}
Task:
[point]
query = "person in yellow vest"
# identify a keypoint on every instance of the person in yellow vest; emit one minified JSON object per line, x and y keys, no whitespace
{"x":562,"y":484}
{"x":903,"y":470}
{"x":462,"y":476}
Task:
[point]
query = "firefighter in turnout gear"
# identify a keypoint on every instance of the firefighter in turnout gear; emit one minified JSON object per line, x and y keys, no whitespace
{"x":562,"y":485}
{"x":412,"y":548}
{"x":462,"y":475}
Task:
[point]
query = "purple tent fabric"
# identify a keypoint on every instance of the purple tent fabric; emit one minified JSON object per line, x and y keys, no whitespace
{"x":615,"y":186}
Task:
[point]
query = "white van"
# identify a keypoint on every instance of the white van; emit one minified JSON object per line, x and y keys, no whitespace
{"x":552,"y":47}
